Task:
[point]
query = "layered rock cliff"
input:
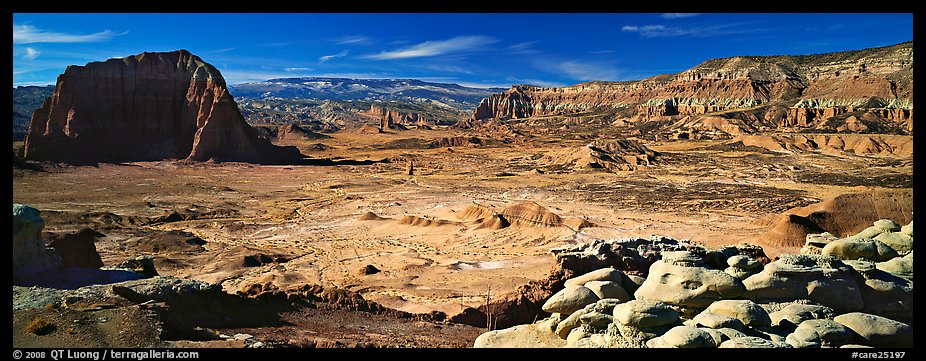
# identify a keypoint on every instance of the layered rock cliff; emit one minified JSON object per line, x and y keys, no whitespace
{"x":793,"y":91}
{"x":149,"y":106}
{"x":395,"y":119}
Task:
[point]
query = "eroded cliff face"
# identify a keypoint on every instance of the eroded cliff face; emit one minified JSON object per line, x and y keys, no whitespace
{"x":798,"y":91}
{"x":516,"y":102}
{"x":149,"y":106}
{"x":394,"y":119}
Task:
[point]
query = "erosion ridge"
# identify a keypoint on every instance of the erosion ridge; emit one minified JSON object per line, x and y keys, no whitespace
{"x":785,"y":92}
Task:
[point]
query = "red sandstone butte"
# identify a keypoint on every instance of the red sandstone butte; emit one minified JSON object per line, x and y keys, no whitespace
{"x":150,"y":106}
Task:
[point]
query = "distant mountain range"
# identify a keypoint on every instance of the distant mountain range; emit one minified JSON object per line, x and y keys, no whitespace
{"x":409,"y":90}
{"x":26,"y":99}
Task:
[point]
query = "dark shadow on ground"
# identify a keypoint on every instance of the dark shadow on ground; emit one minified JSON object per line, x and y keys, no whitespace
{"x":74,"y":278}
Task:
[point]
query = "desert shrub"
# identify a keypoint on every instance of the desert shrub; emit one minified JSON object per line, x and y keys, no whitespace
{"x":40,"y":326}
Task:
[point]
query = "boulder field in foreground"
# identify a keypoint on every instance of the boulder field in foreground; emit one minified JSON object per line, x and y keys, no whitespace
{"x":856,"y":291}
{"x":150,"y":106}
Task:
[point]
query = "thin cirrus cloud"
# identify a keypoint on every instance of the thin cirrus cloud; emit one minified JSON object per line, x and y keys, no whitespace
{"x":658,"y":31}
{"x":536,"y":82}
{"x":435,"y":48}
{"x":524,"y":48}
{"x":297,"y":69}
{"x":219,"y":51}
{"x":28,"y":34}
{"x":588,"y":71}
{"x":329,"y":57}
{"x":678,"y":15}
{"x":354,"y":40}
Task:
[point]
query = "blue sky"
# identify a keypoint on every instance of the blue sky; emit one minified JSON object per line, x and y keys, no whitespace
{"x":468,"y":49}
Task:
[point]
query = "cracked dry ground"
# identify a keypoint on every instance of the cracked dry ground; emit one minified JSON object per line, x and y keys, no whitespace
{"x":308,"y":218}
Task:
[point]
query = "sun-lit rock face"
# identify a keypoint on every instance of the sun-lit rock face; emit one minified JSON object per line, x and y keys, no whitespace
{"x":806,"y":90}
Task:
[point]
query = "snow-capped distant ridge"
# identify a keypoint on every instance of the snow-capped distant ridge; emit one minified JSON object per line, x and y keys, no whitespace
{"x":364,"y":89}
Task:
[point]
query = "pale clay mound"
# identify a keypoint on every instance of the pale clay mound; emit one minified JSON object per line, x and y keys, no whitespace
{"x":526,"y":214}
{"x":689,"y":300}
{"x":600,"y":155}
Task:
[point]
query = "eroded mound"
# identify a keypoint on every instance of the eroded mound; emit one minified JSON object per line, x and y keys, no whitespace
{"x":603,"y":155}
{"x":476,"y":212}
{"x":841,"y":215}
{"x":532,"y":215}
{"x":423,"y":221}
{"x":478,"y":217}
{"x":709,"y":127}
{"x":790,"y":231}
{"x":854,"y":144}
{"x":370,"y":216}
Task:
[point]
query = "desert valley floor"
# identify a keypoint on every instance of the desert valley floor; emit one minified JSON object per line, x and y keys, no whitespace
{"x":322,"y":224}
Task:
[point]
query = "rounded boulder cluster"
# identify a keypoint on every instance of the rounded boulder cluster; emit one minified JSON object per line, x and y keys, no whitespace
{"x":851,"y":292}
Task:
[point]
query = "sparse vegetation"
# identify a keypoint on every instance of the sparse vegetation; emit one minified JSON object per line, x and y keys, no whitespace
{"x":40,"y":326}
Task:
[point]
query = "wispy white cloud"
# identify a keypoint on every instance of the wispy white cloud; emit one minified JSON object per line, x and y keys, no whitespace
{"x":678,"y":15}
{"x":647,"y":29}
{"x":17,"y":71}
{"x":297,"y":69}
{"x":602,"y":52}
{"x":28,"y":34}
{"x":435,"y":47}
{"x":219,"y":51}
{"x":588,"y":71}
{"x":354,"y":40}
{"x":658,"y":31}
{"x":83,"y":55}
{"x":31,"y":53}
{"x":325,"y":58}
{"x":524,"y":48}
{"x":524,"y":45}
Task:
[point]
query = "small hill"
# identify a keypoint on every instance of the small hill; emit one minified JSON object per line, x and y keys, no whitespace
{"x":603,"y":155}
